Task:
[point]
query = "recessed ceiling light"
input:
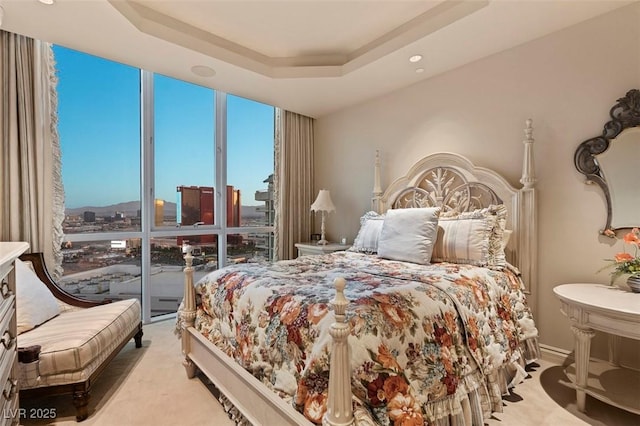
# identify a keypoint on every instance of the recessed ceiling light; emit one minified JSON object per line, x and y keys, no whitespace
{"x":203,"y":71}
{"x":415,"y":58}
{"x":419,"y":70}
{"x":47,"y":2}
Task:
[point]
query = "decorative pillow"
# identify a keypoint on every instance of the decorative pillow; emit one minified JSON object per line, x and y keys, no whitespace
{"x":506,"y":235}
{"x":367,"y":239}
{"x":35,"y":304}
{"x":408,"y":234}
{"x":498,"y":243}
{"x":473,"y":237}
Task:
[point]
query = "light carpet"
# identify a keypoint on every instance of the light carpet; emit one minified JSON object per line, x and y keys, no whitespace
{"x":148,"y":386}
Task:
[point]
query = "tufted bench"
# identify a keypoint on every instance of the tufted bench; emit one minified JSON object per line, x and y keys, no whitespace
{"x":67,"y":352}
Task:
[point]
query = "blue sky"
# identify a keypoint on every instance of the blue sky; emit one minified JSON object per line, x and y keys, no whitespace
{"x":99,"y":127}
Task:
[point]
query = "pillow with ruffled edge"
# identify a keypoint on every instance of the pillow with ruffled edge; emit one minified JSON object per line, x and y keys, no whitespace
{"x":474,"y":237}
{"x":366,"y":240}
{"x":408,"y":235}
{"x":35,"y":303}
{"x":497,"y":255}
{"x":506,"y":236}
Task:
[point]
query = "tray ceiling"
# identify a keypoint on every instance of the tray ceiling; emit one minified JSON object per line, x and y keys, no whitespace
{"x":309,"y":56}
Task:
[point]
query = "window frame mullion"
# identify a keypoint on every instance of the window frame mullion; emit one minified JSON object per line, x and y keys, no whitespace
{"x":147,"y":184}
{"x":220,"y":139}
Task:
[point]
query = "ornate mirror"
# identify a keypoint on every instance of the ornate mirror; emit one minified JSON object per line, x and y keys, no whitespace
{"x":613,"y":162}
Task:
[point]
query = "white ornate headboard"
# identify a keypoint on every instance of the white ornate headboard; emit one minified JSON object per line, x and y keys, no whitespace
{"x":454,"y":183}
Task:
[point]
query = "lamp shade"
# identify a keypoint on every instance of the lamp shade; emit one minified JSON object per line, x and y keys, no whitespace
{"x":323,"y":202}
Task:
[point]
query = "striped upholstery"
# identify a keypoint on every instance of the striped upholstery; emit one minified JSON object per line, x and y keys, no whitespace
{"x":474,"y":237}
{"x":463,"y":241}
{"x":70,"y":352}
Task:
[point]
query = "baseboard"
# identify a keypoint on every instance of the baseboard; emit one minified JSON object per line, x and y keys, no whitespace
{"x":554,"y":355}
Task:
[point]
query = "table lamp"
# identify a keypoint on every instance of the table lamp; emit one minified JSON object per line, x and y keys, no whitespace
{"x":323,"y":204}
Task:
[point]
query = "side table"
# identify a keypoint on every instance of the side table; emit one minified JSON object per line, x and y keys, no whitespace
{"x":616,"y":312}
{"x":312,"y":249}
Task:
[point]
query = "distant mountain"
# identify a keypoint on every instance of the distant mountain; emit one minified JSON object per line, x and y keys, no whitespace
{"x":130,"y":209}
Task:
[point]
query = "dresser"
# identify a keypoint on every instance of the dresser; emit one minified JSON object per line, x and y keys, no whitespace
{"x":312,"y":248}
{"x":614,"y":311}
{"x":9,"y":251}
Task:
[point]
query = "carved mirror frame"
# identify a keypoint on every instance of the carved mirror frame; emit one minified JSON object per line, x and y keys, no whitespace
{"x":624,"y":114}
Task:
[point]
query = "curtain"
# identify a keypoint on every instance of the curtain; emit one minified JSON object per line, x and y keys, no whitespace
{"x":293,"y":181}
{"x":31,"y":191}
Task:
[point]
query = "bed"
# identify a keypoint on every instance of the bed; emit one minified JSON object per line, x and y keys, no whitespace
{"x":427,"y":319}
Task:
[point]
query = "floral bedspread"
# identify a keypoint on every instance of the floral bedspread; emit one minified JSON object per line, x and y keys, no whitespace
{"x":418,"y":333}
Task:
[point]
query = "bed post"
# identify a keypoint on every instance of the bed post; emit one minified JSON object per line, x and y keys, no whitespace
{"x":339,"y":405}
{"x":188,"y":313}
{"x":528,"y":179}
{"x":377,"y":190}
{"x":527,"y":220}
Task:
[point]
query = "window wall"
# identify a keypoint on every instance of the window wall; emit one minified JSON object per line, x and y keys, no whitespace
{"x":150,"y":164}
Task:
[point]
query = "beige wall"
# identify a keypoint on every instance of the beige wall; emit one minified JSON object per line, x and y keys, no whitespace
{"x":566,"y":82}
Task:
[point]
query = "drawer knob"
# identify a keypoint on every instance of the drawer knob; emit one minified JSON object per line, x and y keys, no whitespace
{"x":5,"y":290}
{"x":12,"y":390}
{"x":7,"y":340}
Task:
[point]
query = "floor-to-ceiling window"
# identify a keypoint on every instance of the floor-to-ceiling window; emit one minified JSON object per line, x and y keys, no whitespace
{"x":150,"y":164}
{"x":250,"y":204}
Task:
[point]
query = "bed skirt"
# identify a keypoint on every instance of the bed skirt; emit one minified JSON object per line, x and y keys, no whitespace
{"x":477,"y":396}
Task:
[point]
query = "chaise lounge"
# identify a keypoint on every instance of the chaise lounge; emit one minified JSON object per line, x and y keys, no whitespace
{"x":67,"y":352}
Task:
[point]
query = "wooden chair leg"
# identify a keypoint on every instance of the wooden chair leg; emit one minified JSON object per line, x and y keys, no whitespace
{"x":138,"y":338}
{"x":81,"y":402}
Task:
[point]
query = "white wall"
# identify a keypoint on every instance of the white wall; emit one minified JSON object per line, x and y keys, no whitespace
{"x":566,"y":82}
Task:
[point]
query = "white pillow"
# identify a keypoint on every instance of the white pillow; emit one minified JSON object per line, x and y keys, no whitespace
{"x":35,"y":304}
{"x":370,"y":228}
{"x":408,"y":234}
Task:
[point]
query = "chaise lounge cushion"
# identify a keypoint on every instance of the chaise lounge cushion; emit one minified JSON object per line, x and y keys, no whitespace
{"x":75,"y":343}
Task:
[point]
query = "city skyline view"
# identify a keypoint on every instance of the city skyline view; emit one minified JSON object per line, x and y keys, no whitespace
{"x":122,"y":131}
{"x":100,"y":141}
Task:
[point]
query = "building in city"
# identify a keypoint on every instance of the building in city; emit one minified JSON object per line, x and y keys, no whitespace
{"x":266,"y":241}
{"x":196,"y":206}
{"x":89,"y":216}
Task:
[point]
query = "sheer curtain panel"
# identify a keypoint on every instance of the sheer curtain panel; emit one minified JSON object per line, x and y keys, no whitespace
{"x":293,"y":181}
{"x":32,"y":208}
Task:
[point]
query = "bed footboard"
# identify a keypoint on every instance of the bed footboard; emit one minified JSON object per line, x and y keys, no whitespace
{"x":271,"y":408}
{"x":188,"y":313}
{"x":339,"y":408}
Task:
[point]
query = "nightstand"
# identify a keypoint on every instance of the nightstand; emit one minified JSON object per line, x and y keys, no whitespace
{"x":609,"y":309}
{"x":312,"y":249}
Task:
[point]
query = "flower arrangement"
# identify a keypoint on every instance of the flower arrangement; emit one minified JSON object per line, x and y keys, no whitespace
{"x":623,"y":262}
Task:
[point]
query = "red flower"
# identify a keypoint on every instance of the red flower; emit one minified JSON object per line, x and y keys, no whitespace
{"x":375,"y":391}
{"x":404,"y":411}
{"x":623,"y":257}
{"x":314,"y":407}
{"x":394,"y":314}
{"x":442,"y":336}
{"x":626,"y":263}
{"x":394,"y":385}
{"x":631,"y":238}
{"x":473,"y":343}
{"x":386,"y":358}
{"x":451,"y":382}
